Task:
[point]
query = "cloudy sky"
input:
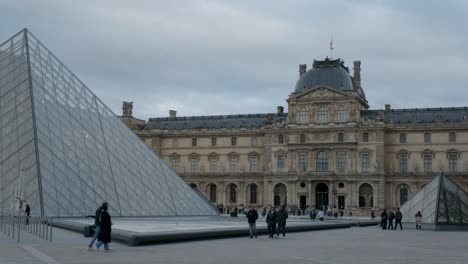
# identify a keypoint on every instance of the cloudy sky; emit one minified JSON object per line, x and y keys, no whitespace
{"x":203,"y":57}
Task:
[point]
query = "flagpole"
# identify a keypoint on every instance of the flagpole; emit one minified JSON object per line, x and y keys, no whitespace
{"x":331,"y":46}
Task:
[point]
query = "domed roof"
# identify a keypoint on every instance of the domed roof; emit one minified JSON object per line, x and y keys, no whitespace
{"x":329,"y":73}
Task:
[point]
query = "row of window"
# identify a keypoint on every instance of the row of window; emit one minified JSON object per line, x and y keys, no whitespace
{"x":452,"y":137}
{"x":253,"y":141}
{"x":233,"y":165}
{"x":427,"y":158}
{"x":322,"y":115}
{"x":232,"y":193}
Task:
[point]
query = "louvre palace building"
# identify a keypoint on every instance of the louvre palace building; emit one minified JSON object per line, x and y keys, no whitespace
{"x":328,"y":150}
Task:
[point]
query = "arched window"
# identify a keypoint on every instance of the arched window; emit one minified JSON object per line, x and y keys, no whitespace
{"x":340,"y":137}
{"x":403,"y":193}
{"x":232,"y":193}
{"x":302,"y":138}
{"x":341,"y":114}
{"x":322,"y":161}
{"x":253,"y":193}
{"x":213,"y":193}
{"x":280,"y":139}
{"x":303,"y":116}
{"x":365,"y":137}
{"x":366,"y":195}
{"x":323,"y":114}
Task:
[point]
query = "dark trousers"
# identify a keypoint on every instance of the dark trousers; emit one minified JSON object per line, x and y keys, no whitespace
{"x":271,"y":229}
{"x":383,"y":224}
{"x":390,"y":224}
{"x":281,"y":228}
{"x":396,"y":224}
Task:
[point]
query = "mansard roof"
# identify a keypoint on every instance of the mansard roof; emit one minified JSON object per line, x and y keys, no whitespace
{"x":215,"y":122}
{"x":419,"y":115}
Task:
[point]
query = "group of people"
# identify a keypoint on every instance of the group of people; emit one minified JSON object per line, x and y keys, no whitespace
{"x":387,"y":219}
{"x":102,"y":227}
{"x":313,"y":214}
{"x":272,"y":218}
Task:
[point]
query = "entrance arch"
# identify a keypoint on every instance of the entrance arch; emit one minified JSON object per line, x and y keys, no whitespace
{"x":211,"y":192}
{"x":279,"y":193}
{"x":231,"y":193}
{"x":321,"y":196}
{"x":366,"y":195}
{"x":252,"y":194}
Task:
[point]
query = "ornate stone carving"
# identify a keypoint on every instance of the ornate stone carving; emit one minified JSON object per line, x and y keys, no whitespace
{"x":127,"y":108}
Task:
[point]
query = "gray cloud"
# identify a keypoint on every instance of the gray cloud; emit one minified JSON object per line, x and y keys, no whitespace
{"x":227,"y":57}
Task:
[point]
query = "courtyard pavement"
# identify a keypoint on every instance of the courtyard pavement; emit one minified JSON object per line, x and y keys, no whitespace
{"x":353,"y":245}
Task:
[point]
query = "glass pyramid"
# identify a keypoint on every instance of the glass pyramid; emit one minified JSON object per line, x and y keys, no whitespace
{"x":441,"y":202}
{"x":64,"y":152}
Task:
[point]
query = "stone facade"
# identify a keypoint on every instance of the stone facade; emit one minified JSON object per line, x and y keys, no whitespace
{"x":328,"y":150}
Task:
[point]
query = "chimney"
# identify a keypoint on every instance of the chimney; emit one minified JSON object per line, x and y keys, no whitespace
{"x":280,"y":109}
{"x":357,"y":75}
{"x":172,"y":113}
{"x":302,"y":69}
{"x":388,"y":107}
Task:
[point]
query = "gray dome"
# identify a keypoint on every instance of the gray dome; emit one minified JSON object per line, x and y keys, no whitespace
{"x":329,"y":73}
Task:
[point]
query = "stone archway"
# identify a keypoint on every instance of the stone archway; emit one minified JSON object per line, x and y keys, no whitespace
{"x":321,"y":196}
{"x":279,"y":194}
{"x":251,"y":194}
{"x":231,"y":194}
{"x":366,"y":195}
{"x":211,"y":192}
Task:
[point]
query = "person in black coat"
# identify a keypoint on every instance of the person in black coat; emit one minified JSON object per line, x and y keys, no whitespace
{"x":271,"y":222}
{"x":104,"y":236}
{"x":252,"y":217}
{"x":27,"y":211}
{"x":383,"y":220}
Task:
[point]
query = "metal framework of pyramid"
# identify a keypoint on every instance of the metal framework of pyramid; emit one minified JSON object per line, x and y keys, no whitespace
{"x":64,"y":152}
{"x":441,"y":202}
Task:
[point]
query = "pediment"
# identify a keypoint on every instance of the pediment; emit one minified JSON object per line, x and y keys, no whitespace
{"x":322,"y":92}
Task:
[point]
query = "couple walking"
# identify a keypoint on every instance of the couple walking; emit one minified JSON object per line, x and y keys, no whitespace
{"x":277,"y":217}
{"x":102,"y":227}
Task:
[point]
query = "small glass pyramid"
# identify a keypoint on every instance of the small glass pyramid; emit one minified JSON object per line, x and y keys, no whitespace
{"x":64,"y":152}
{"x":441,"y":202}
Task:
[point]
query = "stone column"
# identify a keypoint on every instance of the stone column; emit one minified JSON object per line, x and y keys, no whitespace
{"x":331,"y":197}
{"x":309,"y":194}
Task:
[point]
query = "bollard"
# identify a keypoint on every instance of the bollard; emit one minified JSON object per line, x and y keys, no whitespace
{"x":44,"y":224}
{"x":47,"y":228}
{"x":19,"y":228}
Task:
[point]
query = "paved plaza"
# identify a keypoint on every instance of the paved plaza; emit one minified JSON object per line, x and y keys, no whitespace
{"x":352,"y":245}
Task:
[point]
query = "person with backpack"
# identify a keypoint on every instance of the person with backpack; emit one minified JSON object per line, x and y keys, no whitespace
{"x":252,"y":217}
{"x":398,"y":217}
{"x":271,"y":222}
{"x":97,"y":224}
{"x":104,"y":236}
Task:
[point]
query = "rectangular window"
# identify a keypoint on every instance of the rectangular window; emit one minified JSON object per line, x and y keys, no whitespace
{"x":403,"y":163}
{"x":194,"y":142}
{"x":303,"y":116}
{"x":302,"y":162}
{"x":175,"y":164}
{"x":253,"y":164}
{"x":428,"y":163}
{"x":280,"y":163}
{"x":213,"y":142}
{"x":233,"y":165}
{"x":453,"y":163}
{"x":253,"y":141}
{"x":452,"y":137}
{"x":402,"y":138}
{"x":233,"y":141}
{"x":365,"y":162}
{"x":341,"y":162}
{"x":427,"y":137}
{"x":194,"y":165}
{"x":213,"y":165}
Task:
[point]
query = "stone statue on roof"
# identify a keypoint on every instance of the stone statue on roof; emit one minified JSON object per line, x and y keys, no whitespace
{"x":127,"y":108}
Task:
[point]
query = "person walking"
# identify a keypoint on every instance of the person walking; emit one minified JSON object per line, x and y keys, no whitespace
{"x":418,"y":218}
{"x":97,"y":225}
{"x":104,"y":236}
{"x":271,"y":222}
{"x":252,"y":217}
{"x":320,"y":215}
{"x":398,"y":217}
{"x":27,"y":212}
{"x":282,"y":215}
{"x":383,"y":220}
{"x":313,"y":214}
{"x":391,"y":217}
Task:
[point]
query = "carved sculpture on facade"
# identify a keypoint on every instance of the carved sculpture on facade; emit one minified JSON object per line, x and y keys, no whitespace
{"x":127,"y":108}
